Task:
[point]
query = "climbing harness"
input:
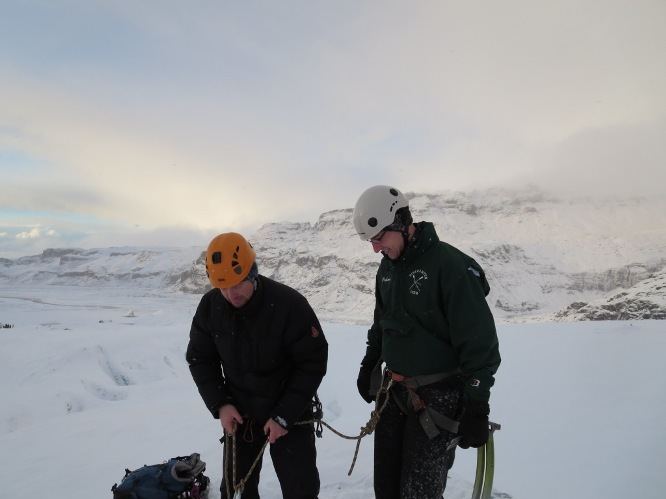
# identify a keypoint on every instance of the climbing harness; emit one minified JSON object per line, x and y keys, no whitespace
{"x":229,"y":440}
{"x":430,"y":420}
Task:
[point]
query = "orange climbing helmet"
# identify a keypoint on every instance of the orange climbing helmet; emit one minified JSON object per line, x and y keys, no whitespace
{"x":229,"y":259}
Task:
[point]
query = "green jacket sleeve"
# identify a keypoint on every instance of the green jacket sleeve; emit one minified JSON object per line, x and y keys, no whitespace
{"x":373,"y":351}
{"x":472,"y":329}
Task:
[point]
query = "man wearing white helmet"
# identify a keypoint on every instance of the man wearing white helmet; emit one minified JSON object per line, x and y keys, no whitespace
{"x":435,"y":334}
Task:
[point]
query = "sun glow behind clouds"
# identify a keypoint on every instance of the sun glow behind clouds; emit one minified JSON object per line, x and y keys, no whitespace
{"x":229,"y":115}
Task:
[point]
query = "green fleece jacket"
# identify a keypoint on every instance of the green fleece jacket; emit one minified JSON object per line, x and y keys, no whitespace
{"x":431,"y":315}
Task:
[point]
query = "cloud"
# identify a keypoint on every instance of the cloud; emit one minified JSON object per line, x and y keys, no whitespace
{"x":21,"y":241}
{"x":33,"y":233}
{"x":614,"y":160}
{"x":18,"y":240}
{"x":230,"y":115}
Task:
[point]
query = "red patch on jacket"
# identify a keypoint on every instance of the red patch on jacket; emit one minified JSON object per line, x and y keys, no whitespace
{"x":314,"y":332}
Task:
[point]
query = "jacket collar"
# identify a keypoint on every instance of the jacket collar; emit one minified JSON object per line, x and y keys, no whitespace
{"x":424,"y":238}
{"x":253,"y":306}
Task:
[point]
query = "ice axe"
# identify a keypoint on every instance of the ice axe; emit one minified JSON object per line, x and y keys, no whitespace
{"x":485,"y":464}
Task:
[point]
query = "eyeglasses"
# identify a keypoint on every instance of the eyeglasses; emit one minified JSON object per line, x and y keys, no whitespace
{"x":378,"y":238}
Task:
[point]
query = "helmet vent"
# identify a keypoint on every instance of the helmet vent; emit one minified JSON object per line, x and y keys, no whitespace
{"x":393,"y":191}
{"x":372,"y":222}
{"x":235,"y":255}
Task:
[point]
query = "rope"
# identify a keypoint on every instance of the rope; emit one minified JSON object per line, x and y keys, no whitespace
{"x":239,"y":486}
{"x":367,"y":429}
{"x":225,"y":473}
{"x":233,"y":461}
{"x":369,"y":426}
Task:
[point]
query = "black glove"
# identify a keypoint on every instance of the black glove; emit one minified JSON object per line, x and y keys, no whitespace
{"x":363,"y":383}
{"x":473,"y":428}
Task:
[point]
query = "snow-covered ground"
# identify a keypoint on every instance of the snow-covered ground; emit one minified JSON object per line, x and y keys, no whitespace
{"x":94,"y":381}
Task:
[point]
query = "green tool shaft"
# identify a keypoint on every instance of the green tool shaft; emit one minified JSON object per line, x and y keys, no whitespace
{"x":490,"y":468}
{"x":480,"y":469}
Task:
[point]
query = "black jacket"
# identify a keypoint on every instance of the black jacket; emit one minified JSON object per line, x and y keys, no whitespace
{"x":267,"y":358}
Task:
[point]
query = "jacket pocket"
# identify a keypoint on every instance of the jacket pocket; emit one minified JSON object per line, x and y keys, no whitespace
{"x":394,"y":328}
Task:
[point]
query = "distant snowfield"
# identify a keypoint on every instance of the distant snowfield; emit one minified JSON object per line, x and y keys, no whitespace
{"x":95,"y":381}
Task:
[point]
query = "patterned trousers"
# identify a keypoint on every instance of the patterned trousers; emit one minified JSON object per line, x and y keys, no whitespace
{"x":409,"y":465}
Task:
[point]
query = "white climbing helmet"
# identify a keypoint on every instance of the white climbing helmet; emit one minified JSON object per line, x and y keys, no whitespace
{"x":376,"y":209}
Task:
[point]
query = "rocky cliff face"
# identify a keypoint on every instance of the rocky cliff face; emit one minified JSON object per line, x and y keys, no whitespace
{"x":623,"y":277}
{"x":152,"y":268}
{"x":645,"y":299}
{"x":543,"y":256}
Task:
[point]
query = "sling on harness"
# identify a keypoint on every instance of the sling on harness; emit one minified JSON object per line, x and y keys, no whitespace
{"x":431,"y":421}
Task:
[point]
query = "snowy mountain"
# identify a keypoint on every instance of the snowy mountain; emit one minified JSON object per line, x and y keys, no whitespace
{"x":544,"y":257}
{"x":147,"y":267}
{"x":644,"y":300}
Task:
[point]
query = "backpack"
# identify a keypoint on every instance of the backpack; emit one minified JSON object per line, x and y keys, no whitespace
{"x":178,"y":478}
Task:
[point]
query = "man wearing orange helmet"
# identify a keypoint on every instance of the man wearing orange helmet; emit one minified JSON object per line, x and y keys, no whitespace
{"x":257,"y":355}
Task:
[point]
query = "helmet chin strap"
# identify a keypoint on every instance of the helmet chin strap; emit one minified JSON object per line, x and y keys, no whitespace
{"x":404,"y":218}
{"x":405,"y":239}
{"x":401,"y":223}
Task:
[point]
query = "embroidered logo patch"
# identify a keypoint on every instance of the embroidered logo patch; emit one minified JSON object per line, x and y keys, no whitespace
{"x":418,"y":276}
{"x":474,"y":271}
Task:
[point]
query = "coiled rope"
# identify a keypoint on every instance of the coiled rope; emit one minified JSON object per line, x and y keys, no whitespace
{"x":367,"y":429}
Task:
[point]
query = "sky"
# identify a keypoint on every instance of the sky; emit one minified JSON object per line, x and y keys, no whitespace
{"x":165,"y":122}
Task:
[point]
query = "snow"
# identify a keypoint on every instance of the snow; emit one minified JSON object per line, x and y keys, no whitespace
{"x":88,"y":390}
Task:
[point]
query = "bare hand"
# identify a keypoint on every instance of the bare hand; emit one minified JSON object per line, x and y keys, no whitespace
{"x":274,"y":431}
{"x":229,"y":417}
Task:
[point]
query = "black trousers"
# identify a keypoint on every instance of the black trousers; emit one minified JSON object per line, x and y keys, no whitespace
{"x":408,"y":465}
{"x":294,"y":457}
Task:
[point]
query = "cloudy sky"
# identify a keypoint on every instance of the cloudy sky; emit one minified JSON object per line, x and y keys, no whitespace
{"x":166,"y":122}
